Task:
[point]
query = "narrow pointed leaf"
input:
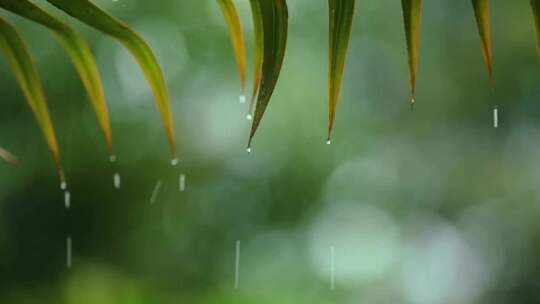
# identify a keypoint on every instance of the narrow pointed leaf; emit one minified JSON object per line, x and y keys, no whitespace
{"x":80,"y":55}
{"x":274,"y":26}
{"x":481,"y":12}
{"x":92,"y":15}
{"x":237,"y":36}
{"x":8,"y":156}
{"x":535,"y":4}
{"x":258,"y":51}
{"x":26,"y":73}
{"x":341,"y":17}
{"x":412,"y":12}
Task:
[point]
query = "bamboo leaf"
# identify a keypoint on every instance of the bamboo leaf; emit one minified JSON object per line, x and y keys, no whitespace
{"x":481,"y":12}
{"x":92,"y":15}
{"x":258,"y":52}
{"x":27,"y":75}
{"x":237,"y":36}
{"x":80,"y":55}
{"x":8,"y":156}
{"x":341,"y":17}
{"x":274,"y":27}
{"x":535,"y":4}
{"x":412,"y":12}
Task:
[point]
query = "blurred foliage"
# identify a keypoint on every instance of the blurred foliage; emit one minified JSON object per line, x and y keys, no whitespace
{"x":430,"y":206}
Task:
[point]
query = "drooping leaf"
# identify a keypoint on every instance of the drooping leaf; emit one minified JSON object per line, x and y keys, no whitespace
{"x":80,"y":55}
{"x":535,"y":4}
{"x":481,"y":12}
{"x":90,"y":14}
{"x":237,"y":36}
{"x":8,"y":156}
{"x":412,"y":12}
{"x":274,"y":27}
{"x":258,"y":52}
{"x":341,"y":17}
{"x":26,"y":73}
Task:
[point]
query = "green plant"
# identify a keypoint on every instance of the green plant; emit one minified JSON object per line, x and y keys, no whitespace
{"x":270,"y":19}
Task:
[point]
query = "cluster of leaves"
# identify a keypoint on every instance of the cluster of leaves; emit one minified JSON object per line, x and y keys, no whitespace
{"x":270,"y":19}
{"x":20,"y":60}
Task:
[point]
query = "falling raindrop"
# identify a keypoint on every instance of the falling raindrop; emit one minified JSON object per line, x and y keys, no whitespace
{"x":495,"y":117}
{"x":332,"y":269}
{"x":237,"y":266}
{"x":249,"y":117}
{"x":182,"y":183}
{"x":63,"y":185}
{"x":155,"y":192}
{"x":67,"y":199}
{"x":68,"y":252}
{"x":112,"y":158}
{"x":242,"y":99}
{"x":116,"y":179}
{"x":174,"y":162}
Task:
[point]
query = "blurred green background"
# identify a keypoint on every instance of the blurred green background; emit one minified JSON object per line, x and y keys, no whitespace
{"x":427,"y":206}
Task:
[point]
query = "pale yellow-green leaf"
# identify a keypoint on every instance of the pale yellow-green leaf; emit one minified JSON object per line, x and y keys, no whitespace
{"x":90,"y":14}
{"x":80,"y":55}
{"x":26,"y":73}
{"x":237,"y":36}
{"x":481,"y":12}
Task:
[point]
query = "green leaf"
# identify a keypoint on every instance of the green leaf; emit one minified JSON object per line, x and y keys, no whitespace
{"x":26,"y":73}
{"x":258,"y":51}
{"x":8,"y":156}
{"x":341,"y":17}
{"x":237,"y":36}
{"x":80,"y":55}
{"x":274,"y":27}
{"x":90,"y":14}
{"x":535,"y":4}
{"x":412,"y":12}
{"x":481,"y":12}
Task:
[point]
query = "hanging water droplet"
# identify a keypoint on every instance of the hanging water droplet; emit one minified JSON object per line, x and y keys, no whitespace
{"x":242,"y":99}
{"x":174,"y":162}
{"x":112,"y":158}
{"x":182,"y":183}
{"x":249,"y":150}
{"x":329,"y":142}
{"x":249,"y":117}
{"x":67,"y":199}
{"x":495,"y":117}
{"x":116,"y":179}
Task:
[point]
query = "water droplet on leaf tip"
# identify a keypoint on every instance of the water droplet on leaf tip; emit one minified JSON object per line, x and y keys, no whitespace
{"x":249,"y":150}
{"x":249,"y":117}
{"x":329,"y":142}
{"x":174,"y":162}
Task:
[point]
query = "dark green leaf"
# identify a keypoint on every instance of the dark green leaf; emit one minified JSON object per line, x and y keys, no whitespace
{"x":412,"y":12}
{"x":274,"y":27}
